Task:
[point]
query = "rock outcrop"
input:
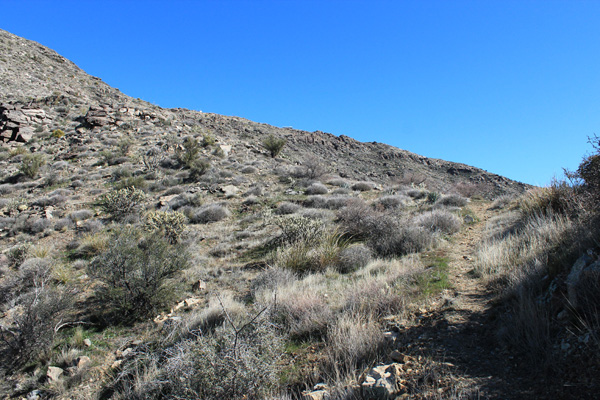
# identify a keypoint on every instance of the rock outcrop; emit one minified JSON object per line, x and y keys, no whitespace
{"x":17,"y":122}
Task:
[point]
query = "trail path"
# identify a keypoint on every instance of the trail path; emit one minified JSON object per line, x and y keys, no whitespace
{"x":458,"y":327}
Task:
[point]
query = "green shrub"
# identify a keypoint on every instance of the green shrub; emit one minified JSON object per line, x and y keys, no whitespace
{"x":189,"y":151}
{"x":273,"y":145}
{"x":432,"y":197}
{"x":31,"y":164}
{"x":169,"y":224}
{"x":208,"y":140}
{"x":57,"y":133}
{"x":134,"y":272}
{"x":121,"y":203}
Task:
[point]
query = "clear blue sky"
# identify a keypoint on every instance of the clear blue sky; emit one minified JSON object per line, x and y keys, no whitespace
{"x":512,"y":87}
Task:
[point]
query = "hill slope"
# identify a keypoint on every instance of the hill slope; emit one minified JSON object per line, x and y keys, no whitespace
{"x":37,"y":77}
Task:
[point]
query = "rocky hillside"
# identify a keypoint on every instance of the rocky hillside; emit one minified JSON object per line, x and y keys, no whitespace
{"x":49,"y":90}
{"x":151,"y":253}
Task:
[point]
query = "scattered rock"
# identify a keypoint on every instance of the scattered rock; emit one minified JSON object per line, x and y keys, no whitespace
{"x":34,"y":395}
{"x":116,"y":364}
{"x":83,"y":362}
{"x":229,"y":190}
{"x":87,"y":342}
{"x":382,"y":382}
{"x":54,"y":374}
{"x":127,"y":352}
{"x":391,"y":336}
{"x":315,"y":395}
{"x":199,"y":286}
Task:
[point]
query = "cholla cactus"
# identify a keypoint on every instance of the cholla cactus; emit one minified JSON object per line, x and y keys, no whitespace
{"x":170,"y":224}
{"x":122,"y":202}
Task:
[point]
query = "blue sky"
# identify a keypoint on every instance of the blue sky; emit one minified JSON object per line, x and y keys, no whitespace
{"x":512,"y":87}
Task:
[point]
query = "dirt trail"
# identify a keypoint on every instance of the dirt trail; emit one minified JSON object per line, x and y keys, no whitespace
{"x":458,"y":327}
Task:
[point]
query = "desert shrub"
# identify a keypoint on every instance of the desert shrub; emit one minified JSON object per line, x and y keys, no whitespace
{"x":312,"y":255}
{"x":214,"y":315}
{"x":209,"y":213}
{"x":134,"y":273}
{"x":315,"y":201}
{"x":337,"y":202}
{"x":249,"y":170}
{"x":433,"y":197}
{"x":467,"y":189}
{"x":49,"y":201}
{"x":6,"y":222}
{"x":393,"y":201}
{"x":302,"y":313}
{"x":38,"y":225}
{"x":341,"y":191}
{"x":353,"y":257}
{"x":138,"y":182}
{"x":384,"y":233}
{"x":90,"y":246}
{"x":375,"y":297}
{"x":452,"y":200}
{"x":198,"y":168}
{"x":120,"y":203}
{"x":31,"y":331}
{"x":81,"y":215}
{"x":296,"y":228}
{"x":417,"y":193}
{"x":273,"y":145}
{"x":208,"y":140}
{"x":363,"y":186}
{"x":37,"y":307}
{"x":230,"y":363}
{"x":272,"y":278}
{"x":6,"y":188}
{"x":342,"y":183}
{"x":556,"y":198}
{"x":353,"y":342}
{"x":439,"y":221}
{"x":502,"y":202}
{"x":316,"y":188}
{"x":152,"y":158}
{"x":31,"y":164}
{"x":57,"y":133}
{"x":168,"y":224}
{"x":255,"y":190}
{"x":311,"y":168}
{"x":188,"y":152}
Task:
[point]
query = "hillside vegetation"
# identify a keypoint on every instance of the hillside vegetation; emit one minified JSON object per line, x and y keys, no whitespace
{"x":151,"y":253}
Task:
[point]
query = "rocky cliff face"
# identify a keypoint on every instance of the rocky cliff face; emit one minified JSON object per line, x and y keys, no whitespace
{"x":42,"y":90}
